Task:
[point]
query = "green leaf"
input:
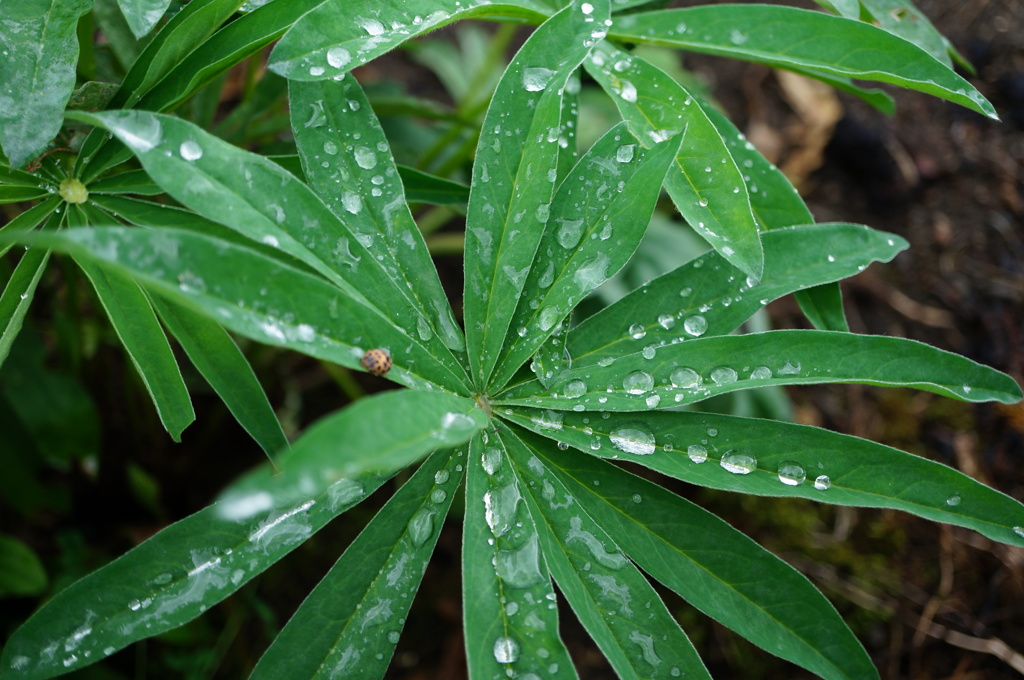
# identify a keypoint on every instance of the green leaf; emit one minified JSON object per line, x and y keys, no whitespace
{"x":18,"y":178}
{"x":514,"y":176}
{"x":787,"y":37}
{"x":260,"y":200}
{"x":349,"y":624}
{"x":691,"y":371}
{"x":340,"y":35}
{"x":256,"y":296}
{"x":712,"y":566}
{"x":347,"y":161}
{"x":21,"y":287}
{"x":21,"y":572}
{"x":167,"y":581}
{"x":706,"y":185}
{"x":30,"y":219}
{"x":597,"y":217}
{"x":40,"y":46}
{"x":143,"y":15}
{"x":137,"y":327}
{"x":784,"y":459}
{"x":901,"y":18}
{"x":703,"y":297}
{"x":218,"y":359}
{"x":613,"y":600}
{"x":421,"y":187}
{"x":364,"y":437}
{"x":16,"y":194}
{"x":131,"y":182}
{"x":111,"y":22}
{"x":510,"y":618}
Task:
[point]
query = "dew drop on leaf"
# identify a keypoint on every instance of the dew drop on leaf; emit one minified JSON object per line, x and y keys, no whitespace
{"x":490,"y":459}
{"x":761,"y":373}
{"x":723,"y":375}
{"x":822,"y":482}
{"x":520,"y":568}
{"x":574,"y":389}
{"x":506,"y":650}
{"x":739,"y":462}
{"x":666,"y":321}
{"x":421,"y":526}
{"x":685,"y":378}
{"x":696,"y":325}
{"x":537,"y":78}
{"x":338,"y":57}
{"x":697,"y":453}
{"x":441,"y":476}
{"x":791,"y":474}
{"x":190,"y":150}
{"x":638,"y":382}
{"x":953,"y":500}
{"x":624,"y":153}
{"x":637,"y":331}
{"x":635,"y":438}
{"x":365,"y":158}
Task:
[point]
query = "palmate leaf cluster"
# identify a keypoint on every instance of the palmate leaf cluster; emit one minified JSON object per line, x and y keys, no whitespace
{"x":318,"y":252}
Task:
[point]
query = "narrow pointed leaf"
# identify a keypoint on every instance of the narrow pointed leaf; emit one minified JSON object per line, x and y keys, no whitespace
{"x":340,"y":35}
{"x":20,"y":290}
{"x":40,"y":51}
{"x":613,"y":600}
{"x":714,"y":567}
{"x":694,"y":370}
{"x":349,"y":624}
{"x":347,"y":161}
{"x":167,"y":581}
{"x":704,"y":297}
{"x":597,"y":218}
{"x":784,"y":459}
{"x":706,"y":185}
{"x":16,"y":194}
{"x":364,"y":437}
{"x":143,"y":15}
{"x":30,"y":219}
{"x":222,"y":364}
{"x":132,"y":182}
{"x":139,"y":330}
{"x":254,"y":295}
{"x":514,"y":176}
{"x":902,"y":18}
{"x":785,"y":36}
{"x":421,"y":187}
{"x":509,"y":609}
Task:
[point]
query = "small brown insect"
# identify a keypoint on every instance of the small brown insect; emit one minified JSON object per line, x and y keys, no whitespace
{"x":376,"y":361}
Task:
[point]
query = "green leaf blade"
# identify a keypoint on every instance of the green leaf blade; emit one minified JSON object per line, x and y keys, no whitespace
{"x":597,"y":218}
{"x":349,"y":623}
{"x":715,"y":568}
{"x":40,"y":46}
{"x":614,"y":601}
{"x":143,"y":15}
{"x":694,"y":370}
{"x":138,"y":328}
{"x":514,"y":176}
{"x":785,"y":37}
{"x":705,"y":184}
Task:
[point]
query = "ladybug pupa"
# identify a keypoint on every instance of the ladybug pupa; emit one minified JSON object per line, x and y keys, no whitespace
{"x":376,"y":361}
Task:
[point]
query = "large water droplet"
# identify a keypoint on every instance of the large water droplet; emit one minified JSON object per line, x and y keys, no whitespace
{"x":520,"y":568}
{"x":697,"y":453}
{"x":574,"y":389}
{"x":592,"y":273}
{"x":569,"y":232}
{"x":822,"y":482}
{"x":638,"y":382}
{"x":625,"y":89}
{"x":739,"y":462}
{"x":506,"y":650}
{"x":500,"y":508}
{"x":338,"y":57}
{"x":624,"y":153}
{"x":685,"y":378}
{"x":490,"y":459}
{"x":723,"y":375}
{"x":190,"y":151}
{"x":635,"y":438}
{"x":761,"y":373}
{"x":791,"y":474}
{"x":637,"y":331}
{"x":696,"y":325}
{"x":421,"y":526}
{"x":536,"y":79}
{"x":666,"y":321}
{"x":365,"y":158}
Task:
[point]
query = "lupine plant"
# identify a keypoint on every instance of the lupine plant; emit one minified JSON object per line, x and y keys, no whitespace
{"x":525,"y":408}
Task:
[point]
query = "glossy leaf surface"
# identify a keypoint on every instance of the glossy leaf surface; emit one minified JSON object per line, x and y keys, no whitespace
{"x":785,"y":36}
{"x":349,"y":624}
{"x":40,"y":52}
{"x":143,"y":15}
{"x":770,"y":458}
{"x":514,"y":176}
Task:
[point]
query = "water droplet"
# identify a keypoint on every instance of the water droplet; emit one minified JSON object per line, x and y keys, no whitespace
{"x":536,"y":79}
{"x":316,"y":71}
{"x":761,"y":373}
{"x":637,"y":331}
{"x":520,"y":568}
{"x":548,"y":317}
{"x":574,"y":389}
{"x":190,"y":151}
{"x":592,"y":273}
{"x":790,"y":369}
{"x":624,"y":154}
{"x":649,"y":352}
{"x":394,"y":636}
{"x":421,"y":526}
{"x":666,"y":321}
{"x":635,"y":438}
{"x":637,"y":498}
{"x":696,"y":325}
{"x":371,"y":26}
{"x":506,"y":650}
{"x":953,"y":500}
{"x":638,"y":382}
{"x":822,"y":482}
{"x":1019,"y":531}
{"x":500,"y":508}
{"x":338,"y":57}
{"x":625,"y":89}
{"x":791,"y":474}
{"x":739,"y":462}
{"x":653,"y":400}
{"x":685,"y":378}
{"x":697,"y":453}
{"x":490,"y":459}
{"x":646,"y":644}
{"x":570,"y":232}
{"x":723,"y":375}
{"x":703,"y":202}
{"x":365,"y":158}
{"x":738,"y":37}
{"x":438,"y":496}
